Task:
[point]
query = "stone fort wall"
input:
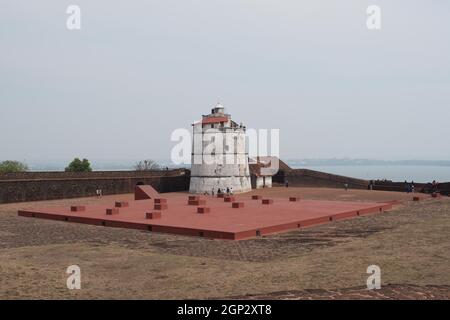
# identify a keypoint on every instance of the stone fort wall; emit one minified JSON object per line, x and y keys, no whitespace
{"x":311,"y":178}
{"x":35,"y":186}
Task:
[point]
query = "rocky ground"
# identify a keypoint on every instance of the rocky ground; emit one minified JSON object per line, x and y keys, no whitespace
{"x":411,"y":245}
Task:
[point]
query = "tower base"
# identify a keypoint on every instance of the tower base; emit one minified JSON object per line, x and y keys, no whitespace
{"x":207,"y":184}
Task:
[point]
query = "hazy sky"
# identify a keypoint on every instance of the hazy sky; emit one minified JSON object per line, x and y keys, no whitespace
{"x":137,"y":70}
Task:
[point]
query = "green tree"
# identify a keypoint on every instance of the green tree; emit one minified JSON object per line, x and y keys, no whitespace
{"x":78,"y":165}
{"x":10,"y":166}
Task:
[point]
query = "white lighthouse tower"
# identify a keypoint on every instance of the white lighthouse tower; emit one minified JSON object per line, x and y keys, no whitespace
{"x":219,"y":156}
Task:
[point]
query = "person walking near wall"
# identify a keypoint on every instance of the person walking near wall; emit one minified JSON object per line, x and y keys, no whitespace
{"x":434,"y":186}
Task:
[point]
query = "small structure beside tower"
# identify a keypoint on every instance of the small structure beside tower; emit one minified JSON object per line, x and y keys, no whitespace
{"x":219,"y":155}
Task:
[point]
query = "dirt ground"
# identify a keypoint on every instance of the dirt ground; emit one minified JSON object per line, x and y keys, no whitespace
{"x":411,"y":245}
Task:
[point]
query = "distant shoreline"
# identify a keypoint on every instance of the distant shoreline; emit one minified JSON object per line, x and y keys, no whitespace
{"x":394,"y":170}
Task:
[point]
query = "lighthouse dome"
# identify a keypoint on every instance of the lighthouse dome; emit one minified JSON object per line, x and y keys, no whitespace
{"x":218,"y":109}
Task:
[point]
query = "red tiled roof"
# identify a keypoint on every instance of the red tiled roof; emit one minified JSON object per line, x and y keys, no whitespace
{"x":214,"y":120}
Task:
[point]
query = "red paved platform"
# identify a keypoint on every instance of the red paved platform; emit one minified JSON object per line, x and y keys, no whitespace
{"x":222,"y":220}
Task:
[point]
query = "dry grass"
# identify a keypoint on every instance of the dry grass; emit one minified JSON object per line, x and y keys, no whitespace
{"x":411,"y":244}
